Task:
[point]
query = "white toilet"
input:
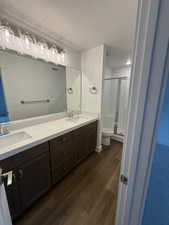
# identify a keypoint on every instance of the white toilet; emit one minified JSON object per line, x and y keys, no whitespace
{"x":106,"y":136}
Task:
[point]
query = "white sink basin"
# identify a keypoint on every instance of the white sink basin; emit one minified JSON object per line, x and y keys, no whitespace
{"x":76,"y":118}
{"x":11,"y":139}
{"x":72,"y":119}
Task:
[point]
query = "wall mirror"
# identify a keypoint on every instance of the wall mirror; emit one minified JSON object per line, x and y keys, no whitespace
{"x":30,"y":87}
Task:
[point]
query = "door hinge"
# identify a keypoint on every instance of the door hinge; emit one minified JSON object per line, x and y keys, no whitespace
{"x":124,"y":179}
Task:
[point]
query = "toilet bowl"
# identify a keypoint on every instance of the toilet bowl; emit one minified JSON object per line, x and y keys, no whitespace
{"x":106,"y":136}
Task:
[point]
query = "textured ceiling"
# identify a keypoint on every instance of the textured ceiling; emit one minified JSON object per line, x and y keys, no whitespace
{"x":81,"y":24}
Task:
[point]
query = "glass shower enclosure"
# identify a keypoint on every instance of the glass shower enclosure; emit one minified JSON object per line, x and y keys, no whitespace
{"x":115,"y":105}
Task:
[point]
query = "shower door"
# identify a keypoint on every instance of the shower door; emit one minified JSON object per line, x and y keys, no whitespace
{"x":109,"y":103}
{"x":123,"y":106}
{"x":115,"y":104}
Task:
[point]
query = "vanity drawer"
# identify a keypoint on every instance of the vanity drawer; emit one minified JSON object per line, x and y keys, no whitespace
{"x":22,"y":157}
{"x":91,"y":127}
{"x":82,"y":131}
{"x":66,"y":138}
{"x":7,"y":164}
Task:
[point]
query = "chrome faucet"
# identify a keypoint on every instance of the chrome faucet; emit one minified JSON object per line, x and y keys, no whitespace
{"x":3,"y":129}
{"x":71,"y":113}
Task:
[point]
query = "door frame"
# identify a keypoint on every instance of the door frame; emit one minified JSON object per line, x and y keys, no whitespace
{"x":147,"y":90}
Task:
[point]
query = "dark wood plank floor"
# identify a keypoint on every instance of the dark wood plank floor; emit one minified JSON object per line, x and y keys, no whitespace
{"x":87,"y":196}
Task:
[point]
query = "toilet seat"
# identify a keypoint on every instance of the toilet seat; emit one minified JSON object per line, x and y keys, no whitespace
{"x":107,"y":132}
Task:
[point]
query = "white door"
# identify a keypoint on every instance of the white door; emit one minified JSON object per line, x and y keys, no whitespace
{"x":5,"y":218}
{"x":147,"y":84}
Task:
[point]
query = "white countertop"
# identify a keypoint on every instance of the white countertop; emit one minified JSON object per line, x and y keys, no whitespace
{"x":41,"y":133}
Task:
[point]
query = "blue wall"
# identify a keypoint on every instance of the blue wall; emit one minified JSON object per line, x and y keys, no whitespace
{"x":3,"y":109}
{"x":156,"y":210}
{"x":163,"y":131}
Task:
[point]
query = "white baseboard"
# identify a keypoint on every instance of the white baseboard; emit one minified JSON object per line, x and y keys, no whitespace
{"x":98,"y":148}
{"x":117,"y":138}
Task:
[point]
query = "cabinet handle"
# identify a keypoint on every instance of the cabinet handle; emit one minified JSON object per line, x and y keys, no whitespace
{"x":64,"y":139}
{"x":20,"y":173}
{"x":14,"y":177}
{"x":8,"y":176}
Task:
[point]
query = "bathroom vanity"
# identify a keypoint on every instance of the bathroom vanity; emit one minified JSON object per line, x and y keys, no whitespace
{"x":37,"y":169}
{"x":48,"y":135}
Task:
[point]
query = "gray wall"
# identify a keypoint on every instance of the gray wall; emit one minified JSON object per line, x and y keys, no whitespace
{"x":74,"y":81}
{"x":28,"y":79}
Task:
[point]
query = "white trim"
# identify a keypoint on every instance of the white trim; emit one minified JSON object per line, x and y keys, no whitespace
{"x":98,"y":148}
{"x":158,"y":77}
{"x":138,"y":79}
{"x":117,"y":137}
{"x":141,"y":34}
{"x":144,"y":106}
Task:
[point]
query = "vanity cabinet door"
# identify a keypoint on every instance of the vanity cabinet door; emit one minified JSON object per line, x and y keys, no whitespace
{"x":85,"y":141}
{"x":62,"y":155}
{"x":12,"y":191}
{"x":91,"y":135}
{"x":13,"y":197}
{"x":80,"y":142}
{"x":34,"y":179}
{"x":58,"y":149}
{"x":31,"y":177}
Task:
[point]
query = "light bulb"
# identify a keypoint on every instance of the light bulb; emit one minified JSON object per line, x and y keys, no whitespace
{"x":27,"y":41}
{"x":41,"y":46}
{"x":53,"y":51}
{"x":128,"y":62}
{"x":7,"y":33}
{"x":62,"y":55}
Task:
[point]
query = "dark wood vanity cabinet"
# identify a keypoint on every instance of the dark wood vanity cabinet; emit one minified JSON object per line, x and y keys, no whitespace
{"x":35,"y":169}
{"x":31,"y":177}
{"x":91,"y":133}
{"x":63,"y":156}
{"x":80,"y":139}
{"x":34,"y":179}
{"x":86,"y":139}
{"x":69,"y":150}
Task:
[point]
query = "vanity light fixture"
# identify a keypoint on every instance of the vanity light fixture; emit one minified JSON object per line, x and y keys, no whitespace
{"x":128,"y":62}
{"x":28,"y":40}
{"x":6,"y":35}
{"x":15,"y":39}
{"x":70,"y":91}
{"x":93,"y":90}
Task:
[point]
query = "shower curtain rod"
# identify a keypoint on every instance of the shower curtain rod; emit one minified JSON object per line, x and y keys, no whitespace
{"x":113,"y":78}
